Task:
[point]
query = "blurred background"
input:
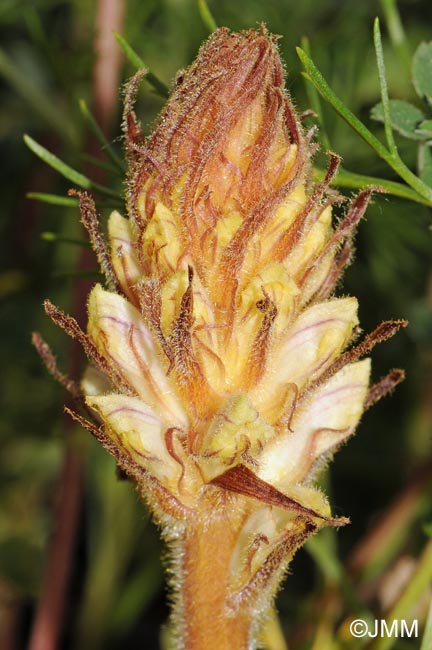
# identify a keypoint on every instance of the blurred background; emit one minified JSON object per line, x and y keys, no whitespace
{"x":81,"y":564}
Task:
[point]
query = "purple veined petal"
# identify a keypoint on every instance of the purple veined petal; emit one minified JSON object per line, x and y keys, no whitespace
{"x":121,"y":335}
{"x":139,"y":431}
{"x":319,"y":426}
{"x":305,"y":351}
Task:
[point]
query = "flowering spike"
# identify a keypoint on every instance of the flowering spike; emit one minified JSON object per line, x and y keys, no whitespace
{"x":230,"y":382}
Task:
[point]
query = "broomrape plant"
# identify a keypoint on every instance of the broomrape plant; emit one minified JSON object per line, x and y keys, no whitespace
{"x":223,"y":374}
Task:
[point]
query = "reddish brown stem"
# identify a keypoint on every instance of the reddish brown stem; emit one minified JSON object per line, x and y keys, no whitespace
{"x":47,"y":627}
{"x":109,"y":18}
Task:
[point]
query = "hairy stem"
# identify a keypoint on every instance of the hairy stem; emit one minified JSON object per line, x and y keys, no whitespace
{"x":208,"y":623}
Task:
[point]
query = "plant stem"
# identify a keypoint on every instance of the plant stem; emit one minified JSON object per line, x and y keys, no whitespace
{"x":208,"y":623}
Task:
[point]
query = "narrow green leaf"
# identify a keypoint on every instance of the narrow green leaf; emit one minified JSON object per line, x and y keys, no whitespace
{"x":94,"y":126}
{"x":425,"y":163}
{"x":65,"y":170}
{"x":53,"y":199}
{"x":422,"y":71}
{"x":315,"y":103}
{"x":425,"y":129}
{"x":137,"y":61}
{"x":206,"y":16}
{"x":384,"y":92}
{"x":427,"y":634}
{"x":54,"y":237}
{"x":345,"y":178}
{"x":404,"y":117}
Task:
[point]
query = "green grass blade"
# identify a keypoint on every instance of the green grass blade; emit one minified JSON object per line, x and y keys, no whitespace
{"x":53,"y":199}
{"x":137,"y":61}
{"x":65,"y":170}
{"x":315,"y":102}
{"x":54,"y":237}
{"x":427,"y":634}
{"x":345,"y":178}
{"x":206,"y":16}
{"x":384,"y":90}
{"x":95,"y":128}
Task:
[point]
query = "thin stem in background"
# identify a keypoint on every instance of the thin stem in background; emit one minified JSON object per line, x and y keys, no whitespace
{"x":47,"y":626}
{"x":315,"y":103}
{"x":427,"y":636}
{"x":37,"y":99}
{"x":106,"y":71}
